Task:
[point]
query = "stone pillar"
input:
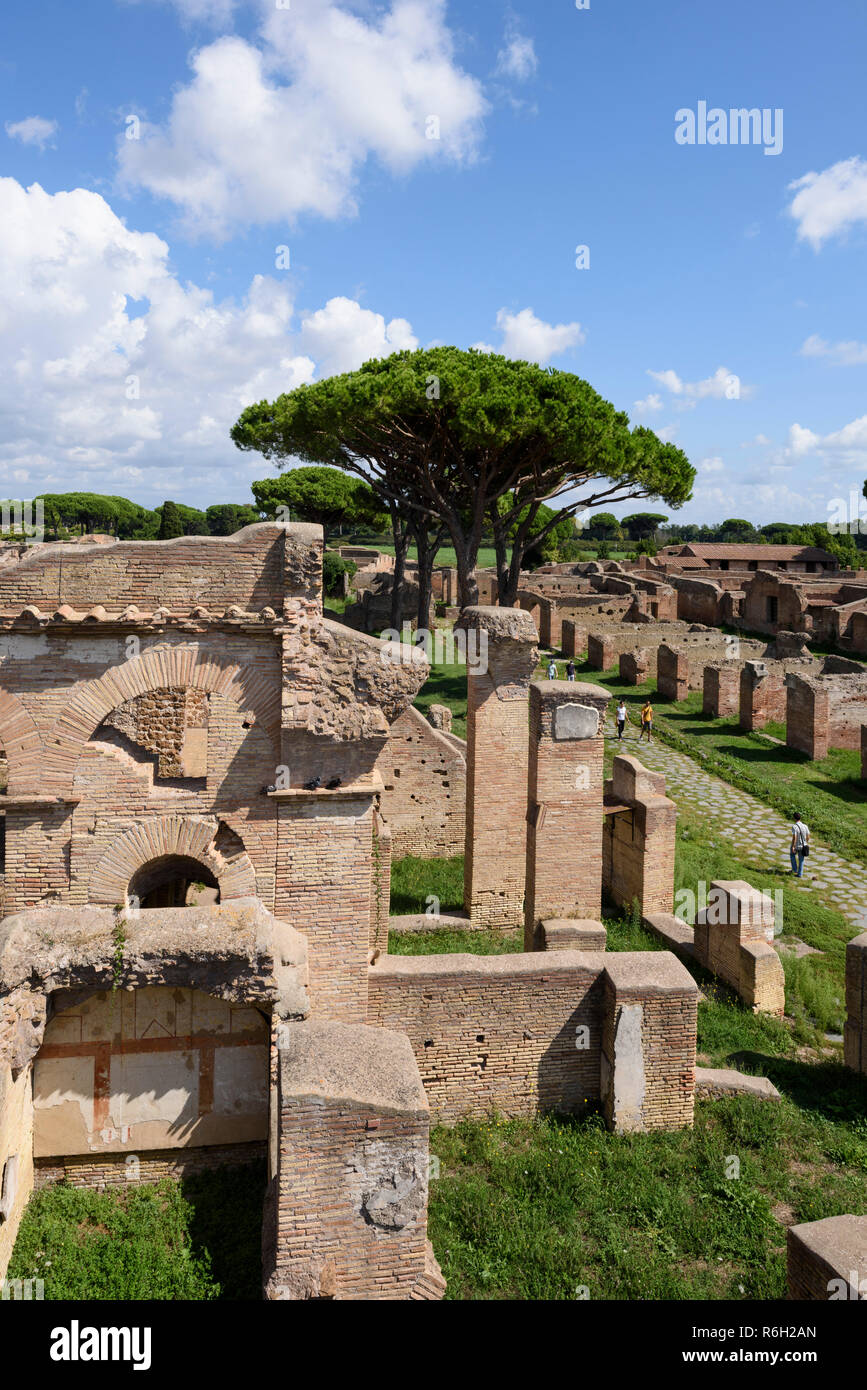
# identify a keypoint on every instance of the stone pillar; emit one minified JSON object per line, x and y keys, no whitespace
{"x":672,"y":673}
{"x":497,"y":752}
{"x":564,"y":803}
{"x":855,"y":1038}
{"x":721,"y":691}
{"x":639,"y":847}
{"x":827,"y":1260}
{"x":761,"y":696}
{"x":634,"y":667}
{"x":650,"y":1008}
{"x":440,"y":717}
{"x":600,"y":652}
{"x":346,"y":1213}
{"x":573,"y":638}
{"x":807,"y":716}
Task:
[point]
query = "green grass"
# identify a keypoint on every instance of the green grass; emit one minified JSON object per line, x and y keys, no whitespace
{"x":538,"y":1209}
{"x":199,"y":1239}
{"x":829,"y":793}
{"x":446,"y":685}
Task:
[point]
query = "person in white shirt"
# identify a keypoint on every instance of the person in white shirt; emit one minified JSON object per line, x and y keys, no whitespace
{"x":552,"y":670}
{"x":621,"y":720}
{"x":800,"y":846}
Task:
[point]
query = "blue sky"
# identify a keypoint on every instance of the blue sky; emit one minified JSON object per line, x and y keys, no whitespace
{"x":144,"y":299}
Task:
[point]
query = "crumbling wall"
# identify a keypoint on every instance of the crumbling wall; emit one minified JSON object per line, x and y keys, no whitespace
{"x":518,"y":1034}
{"x":855,"y":1036}
{"x":424,"y":778}
{"x":732,"y":939}
{"x":824,"y":712}
{"x":346,"y":1211}
{"x":639,"y":839}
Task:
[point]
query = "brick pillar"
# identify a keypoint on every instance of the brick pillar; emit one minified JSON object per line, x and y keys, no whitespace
{"x":497,"y":751}
{"x":855,"y":1043}
{"x":564,"y":803}
{"x":640,"y":842}
{"x":324,"y":888}
{"x":807,"y":716}
{"x":721,"y":691}
{"x":650,"y":1008}
{"x":573,"y":638}
{"x":634,"y":667}
{"x":600,"y":652}
{"x":346,"y":1212}
{"x":864,"y":752}
{"x":380,"y":884}
{"x":672,"y":673}
{"x":761,"y":696}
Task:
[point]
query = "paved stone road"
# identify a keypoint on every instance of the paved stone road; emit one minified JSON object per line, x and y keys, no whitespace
{"x":751,"y":826}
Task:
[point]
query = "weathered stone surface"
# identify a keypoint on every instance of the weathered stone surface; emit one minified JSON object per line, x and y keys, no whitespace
{"x":575,"y":722}
{"x":237,"y":951}
{"x":711,"y":1082}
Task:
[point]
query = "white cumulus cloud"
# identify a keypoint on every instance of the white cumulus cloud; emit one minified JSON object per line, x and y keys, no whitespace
{"x":517,"y":58}
{"x":33,"y":130}
{"x":116,"y":377}
{"x":845,"y":354}
{"x":723,"y":385}
{"x":829,"y":203}
{"x":273,"y":130}
{"x":526,"y":337}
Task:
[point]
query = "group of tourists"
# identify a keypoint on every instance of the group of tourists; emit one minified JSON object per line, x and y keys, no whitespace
{"x":645,"y":720}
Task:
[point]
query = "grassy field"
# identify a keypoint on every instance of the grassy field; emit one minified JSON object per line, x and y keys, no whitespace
{"x":829,"y":793}
{"x":197,"y":1240}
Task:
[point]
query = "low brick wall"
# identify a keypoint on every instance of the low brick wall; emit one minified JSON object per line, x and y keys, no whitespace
{"x":519,"y":1034}
{"x":827,"y":1260}
{"x":119,"y":1170}
{"x":732,"y":939}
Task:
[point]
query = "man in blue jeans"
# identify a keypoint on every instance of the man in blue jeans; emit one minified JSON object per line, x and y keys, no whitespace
{"x":799,"y":848}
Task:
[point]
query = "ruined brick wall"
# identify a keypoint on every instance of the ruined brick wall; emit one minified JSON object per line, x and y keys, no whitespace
{"x":496,"y":1033}
{"x":828,"y":1259}
{"x":639,"y":842}
{"x":519,"y":1034}
{"x":672,"y":673}
{"x":720,"y":691}
{"x":98,"y":1171}
{"x":824,"y":712}
{"x":346,"y":1213}
{"x":246,"y":569}
{"x":564,"y":803}
{"x":634,"y":667}
{"x":424,"y":798}
{"x":497,"y":760}
{"x":172,"y":724}
{"x":698,"y":600}
{"x":762,"y":695}
{"x":324,"y":888}
{"x":733,"y":938}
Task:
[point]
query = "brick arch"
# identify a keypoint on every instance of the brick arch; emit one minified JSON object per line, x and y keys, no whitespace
{"x":190,"y":837}
{"x":156,"y":669}
{"x":22,"y":744}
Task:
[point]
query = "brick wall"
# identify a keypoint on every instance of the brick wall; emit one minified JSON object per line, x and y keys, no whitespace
{"x":721,"y":691}
{"x":639,"y":842}
{"x":564,"y":803}
{"x":762,"y":695}
{"x":672,"y":673}
{"x":732,"y":939}
{"x":425,"y":783}
{"x":99,"y":1171}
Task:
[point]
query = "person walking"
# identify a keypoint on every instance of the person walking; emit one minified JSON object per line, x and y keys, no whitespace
{"x":552,"y":670}
{"x":646,"y":722}
{"x":570,"y":671}
{"x":620,"y":717}
{"x":800,"y":846}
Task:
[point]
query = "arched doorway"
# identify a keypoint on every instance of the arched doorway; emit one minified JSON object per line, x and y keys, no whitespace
{"x":173,"y":880}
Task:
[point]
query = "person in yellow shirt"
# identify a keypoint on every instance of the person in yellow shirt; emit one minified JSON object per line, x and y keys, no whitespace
{"x":646,"y":722}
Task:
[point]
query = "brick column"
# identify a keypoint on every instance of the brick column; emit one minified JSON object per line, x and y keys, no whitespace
{"x":600,"y":652}
{"x":807,"y":716}
{"x":672,"y":673}
{"x":721,"y":691}
{"x":564,"y":803}
{"x":346,"y":1212}
{"x":496,"y":831}
{"x":761,"y":696}
{"x":650,"y":1008}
